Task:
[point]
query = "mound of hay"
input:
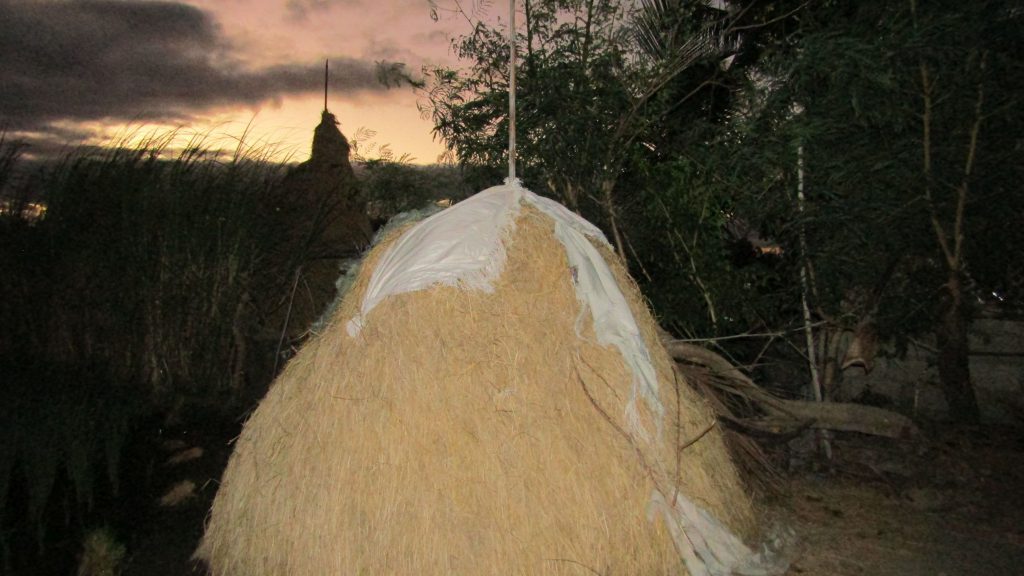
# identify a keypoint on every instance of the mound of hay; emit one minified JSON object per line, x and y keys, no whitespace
{"x":489,"y":398}
{"x":324,"y":214}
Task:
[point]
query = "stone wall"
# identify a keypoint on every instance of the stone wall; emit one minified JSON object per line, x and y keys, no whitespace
{"x":911,"y":383}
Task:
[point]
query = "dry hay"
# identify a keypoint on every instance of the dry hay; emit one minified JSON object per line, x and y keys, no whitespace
{"x":462,"y":432}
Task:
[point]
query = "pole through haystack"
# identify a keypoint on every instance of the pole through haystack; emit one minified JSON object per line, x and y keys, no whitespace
{"x":490,"y":397}
{"x":512,"y":90}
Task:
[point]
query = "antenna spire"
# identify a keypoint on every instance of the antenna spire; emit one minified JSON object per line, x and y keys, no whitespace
{"x":326,"y":64}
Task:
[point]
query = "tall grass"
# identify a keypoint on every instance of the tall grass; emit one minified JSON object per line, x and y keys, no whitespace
{"x":148,"y":260}
{"x":143,"y":287}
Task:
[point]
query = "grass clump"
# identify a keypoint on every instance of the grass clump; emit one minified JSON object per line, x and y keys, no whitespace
{"x":102,"y":554}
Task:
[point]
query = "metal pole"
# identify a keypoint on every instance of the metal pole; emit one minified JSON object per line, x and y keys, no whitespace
{"x":326,"y":64}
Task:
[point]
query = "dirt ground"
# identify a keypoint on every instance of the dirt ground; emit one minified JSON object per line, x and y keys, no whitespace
{"x":950,"y":504}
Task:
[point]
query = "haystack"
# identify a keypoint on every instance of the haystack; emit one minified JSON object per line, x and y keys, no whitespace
{"x":326,"y":224}
{"x":489,"y":398}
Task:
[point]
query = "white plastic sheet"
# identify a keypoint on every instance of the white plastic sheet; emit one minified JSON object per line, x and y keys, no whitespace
{"x":464,"y":246}
{"x":458,"y":246}
{"x":708,"y":548}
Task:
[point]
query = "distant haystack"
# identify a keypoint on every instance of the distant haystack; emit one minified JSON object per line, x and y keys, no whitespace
{"x":490,"y":398}
{"x":322,"y":201}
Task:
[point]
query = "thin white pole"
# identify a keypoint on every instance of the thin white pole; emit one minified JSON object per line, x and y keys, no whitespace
{"x":812,"y":360}
{"x":512,"y":91}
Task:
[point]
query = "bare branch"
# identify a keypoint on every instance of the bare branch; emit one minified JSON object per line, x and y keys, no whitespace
{"x":772,"y":21}
{"x":972,"y":148}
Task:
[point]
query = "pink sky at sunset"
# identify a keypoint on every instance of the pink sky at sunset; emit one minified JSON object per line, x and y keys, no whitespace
{"x":86,"y":71}
{"x":271,"y":32}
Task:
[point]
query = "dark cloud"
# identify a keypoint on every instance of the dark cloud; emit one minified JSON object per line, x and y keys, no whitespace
{"x":83,"y":60}
{"x":301,"y":10}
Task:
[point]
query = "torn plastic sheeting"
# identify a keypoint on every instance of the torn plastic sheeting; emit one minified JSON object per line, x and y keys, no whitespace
{"x":460,"y":245}
{"x":708,"y":548}
{"x":464,"y":246}
{"x":613,"y":324}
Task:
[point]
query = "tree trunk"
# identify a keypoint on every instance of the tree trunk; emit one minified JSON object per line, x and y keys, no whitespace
{"x":954,"y":357}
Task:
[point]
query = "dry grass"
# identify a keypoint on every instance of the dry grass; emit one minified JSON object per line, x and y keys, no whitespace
{"x":466,"y":433}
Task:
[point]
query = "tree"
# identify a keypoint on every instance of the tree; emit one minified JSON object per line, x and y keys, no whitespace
{"x":892,"y":160}
{"x":753,"y":159}
{"x":965,"y":87}
{"x":594,"y":94}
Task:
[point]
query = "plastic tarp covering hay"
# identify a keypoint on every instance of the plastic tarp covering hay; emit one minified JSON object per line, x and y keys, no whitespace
{"x":490,"y":396}
{"x":463,"y":246}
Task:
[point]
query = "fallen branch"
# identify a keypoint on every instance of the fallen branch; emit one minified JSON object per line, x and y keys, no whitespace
{"x":781,"y":415}
{"x":842,"y":416}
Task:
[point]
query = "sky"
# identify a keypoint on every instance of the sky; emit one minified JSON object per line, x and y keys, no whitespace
{"x":87,"y":71}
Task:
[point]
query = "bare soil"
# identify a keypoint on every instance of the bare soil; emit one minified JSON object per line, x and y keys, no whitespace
{"x":950,"y":505}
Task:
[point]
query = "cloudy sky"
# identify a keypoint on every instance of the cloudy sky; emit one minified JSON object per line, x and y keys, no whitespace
{"x":82,"y":70}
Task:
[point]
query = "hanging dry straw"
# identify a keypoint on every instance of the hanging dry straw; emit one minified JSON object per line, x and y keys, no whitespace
{"x":464,"y":429}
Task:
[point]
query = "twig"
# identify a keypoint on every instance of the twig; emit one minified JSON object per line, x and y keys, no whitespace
{"x":287,"y":319}
{"x":714,"y":339}
{"x":636,"y":259}
{"x":772,"y":21}
{"x":696,"y":438}
{"x":570,"y":561}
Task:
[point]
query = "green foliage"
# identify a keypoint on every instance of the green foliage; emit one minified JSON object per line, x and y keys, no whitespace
{"x":685,"y":131}
{"x":392,"y":184}
{"x":851,"y":97}
{"x":706,"y":270}
{"x":394,"y":187}
{"x":573,"y":58}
